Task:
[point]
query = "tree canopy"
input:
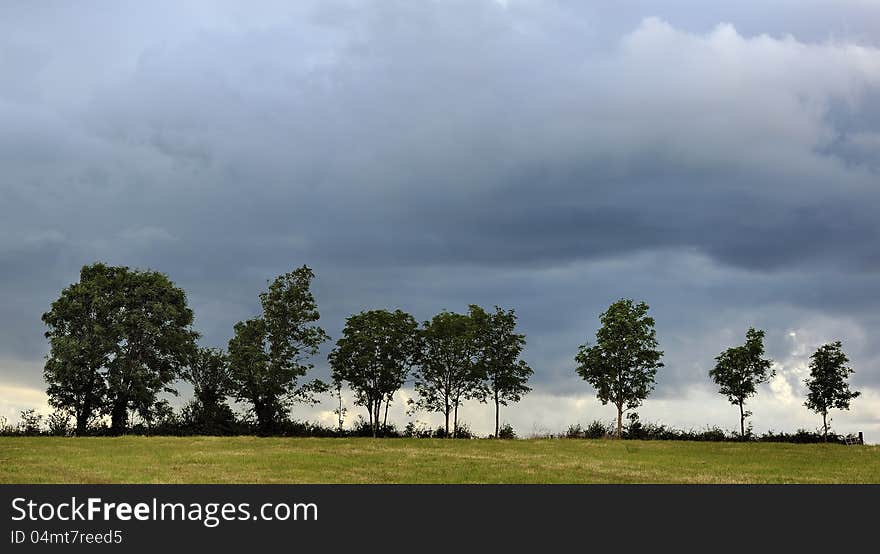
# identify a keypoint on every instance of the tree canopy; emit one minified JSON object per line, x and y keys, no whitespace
{"x":497,"y":348}
{"x":447,"y":373}
{"x":269,"y":354}
{"x":623,"y":362}
{"x":117,"y":339}
{"x":827,"y":385}
{"x":374,"y":356}
{"x":740,"y":369}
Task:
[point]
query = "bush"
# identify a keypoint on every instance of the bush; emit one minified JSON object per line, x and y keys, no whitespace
{"x":30,"y":423}
{"x":417,"y":431}
{"x":59,"y":424}
{"x":463,"y":431}
{"x":506,"y":432}
{"x":595,"y":430}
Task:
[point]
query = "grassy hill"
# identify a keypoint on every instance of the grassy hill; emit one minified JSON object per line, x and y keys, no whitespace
{"x":360,"y":460}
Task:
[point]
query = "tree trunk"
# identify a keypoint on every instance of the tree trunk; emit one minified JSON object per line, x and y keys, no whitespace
{"x":119,"y":416}
{"x":619,"y":421}
{"x":455,"y":423}
{"x":376,"y":418}
{"x":497,"y":410}
{"x":825,"y":426}
{"x":742,"y":422}
{"x":385,"y":419}
{"x":448,"y":408}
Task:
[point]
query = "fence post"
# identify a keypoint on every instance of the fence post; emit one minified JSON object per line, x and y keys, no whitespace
{"x":861,"y":438}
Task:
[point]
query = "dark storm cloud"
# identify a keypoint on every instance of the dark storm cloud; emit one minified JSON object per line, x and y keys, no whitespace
{"x":718,"y":161}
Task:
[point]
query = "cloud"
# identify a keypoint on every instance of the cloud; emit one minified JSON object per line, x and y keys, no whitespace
{"x":719,"y":162}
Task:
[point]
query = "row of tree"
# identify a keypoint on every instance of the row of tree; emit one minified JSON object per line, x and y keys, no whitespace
{"x":120,"y":337}
{"x":623,"y":363}
{"x":452,"y":358}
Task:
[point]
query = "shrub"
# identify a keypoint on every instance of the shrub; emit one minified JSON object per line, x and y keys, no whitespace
{"x":506,"y":432}
{"x":30,"y":423}
{"x":59,"y":424}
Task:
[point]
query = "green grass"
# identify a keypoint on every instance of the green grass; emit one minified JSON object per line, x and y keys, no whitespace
{"x":358,"y":460}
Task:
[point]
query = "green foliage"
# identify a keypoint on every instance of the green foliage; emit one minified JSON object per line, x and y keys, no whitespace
{"x":374,"y":356}
{"x":30,"y":423}
{"x":58,"y":423}
{"x":739,"y":370}
{"x":210,"y":377}
{"x":82,"y":339}
{"x":497,"y":348}
{"x":595,"y":430}
{"x":268,"y":355}
{"x":448,"y":373}
{"x":506,"y":432}
{"x":826,"y":386}
{"x":117,"y":339}
{"x":623,"y":363}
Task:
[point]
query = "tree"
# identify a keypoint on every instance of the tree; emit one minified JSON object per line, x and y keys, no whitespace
{"x":82,"y":337}
{"x":268,"y":354}
{"x":374,"y":356}
{"x":156,"y":343}
{"x":447,"y":373}
{"x":827,"y":387}
{"x":498,"y":348}
{"x":621,"y":366}
{"x":739,"y":370}
{"x":209,"y":375}
{"x":117,"y":339}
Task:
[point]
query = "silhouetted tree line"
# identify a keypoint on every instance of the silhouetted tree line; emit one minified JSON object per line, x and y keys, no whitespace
{"x":121,"y":337}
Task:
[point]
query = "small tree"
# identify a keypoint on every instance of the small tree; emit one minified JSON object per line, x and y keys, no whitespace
{"x":827,"y":387}
{"x":447,"y":373}
{"x":739,"y":370}
{"x":268,"y":355}
{"x":374,"y":356}
{"x":621,"y":366}
{"x":209,"y":375}
{"x":498,"y":348}
{"x":340,"y":410}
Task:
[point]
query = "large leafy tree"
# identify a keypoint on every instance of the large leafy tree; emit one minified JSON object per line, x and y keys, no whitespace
{"x":739,"y":370}
{"x":623,"y":362}
{"x":209,"y":375}
{"x":269,"y":354}
{"x":117,"y":339}
{"x":82,"y":338}
{"x":497,"y":349}
{"x":374,"y":356}
{"x":447,"y":373}
{"x":156,"y":344}
{"x":826,"y":386}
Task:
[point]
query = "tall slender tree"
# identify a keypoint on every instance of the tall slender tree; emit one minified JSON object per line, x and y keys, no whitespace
{"x":497,"y":348}
{"x":739,"y":370}
{"x":269,"y":354}
{"x":447,"y":373}
{"x":826,"y":386}
{"x":623,"y":363}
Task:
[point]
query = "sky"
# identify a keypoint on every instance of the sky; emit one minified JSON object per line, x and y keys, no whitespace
{"x":717,"y":160}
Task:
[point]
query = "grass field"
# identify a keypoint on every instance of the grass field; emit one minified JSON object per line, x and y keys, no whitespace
{"x":358,"y":460}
